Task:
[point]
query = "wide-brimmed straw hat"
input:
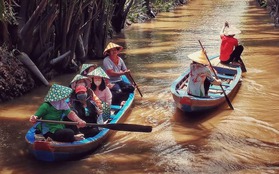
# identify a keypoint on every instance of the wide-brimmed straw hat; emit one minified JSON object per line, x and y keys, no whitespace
{"x":86,"y":67}
{"x":199,"y":57}
{"x":229,"y":31}
{"x":57,"y":92}
{"x":80,"y":77}
{"x":112,"y":45}
{"x":99,"y":72}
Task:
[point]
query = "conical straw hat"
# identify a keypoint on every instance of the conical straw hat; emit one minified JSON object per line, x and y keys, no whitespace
{"x":199,"y":57}
{"x":112,"y":45}
{"x":79,"y":77}
{"x":57,"y":92}
{"x":86,"y":66}
{"x":98,"y":72}
{"x":229,"y":31}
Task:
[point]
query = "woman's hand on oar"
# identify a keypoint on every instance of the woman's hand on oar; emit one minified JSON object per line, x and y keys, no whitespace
{"x":115,"y":126}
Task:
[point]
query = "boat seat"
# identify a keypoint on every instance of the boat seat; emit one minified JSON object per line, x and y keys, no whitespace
{"x":181,"y":92}
{"x":215,"y":91}
{"x":226,"y":84}
{"x":115,"y":107}
{"x":215,"y":87}
{"x":217,"y":95}
{"x":225,"y":76}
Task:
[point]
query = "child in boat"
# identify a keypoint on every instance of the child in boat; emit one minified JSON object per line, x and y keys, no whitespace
{"x":55,"y":108}
{"x":200,"y":76}
{"x":115,"y":67}
{"x":230,"y":50}
{"x":101,"y":90}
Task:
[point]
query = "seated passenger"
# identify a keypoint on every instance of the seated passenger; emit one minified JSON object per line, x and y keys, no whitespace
{"x":85,"y":107}
{"x":55,"y":108}
{"x":115,"y":67}
{"x":101,"y":90}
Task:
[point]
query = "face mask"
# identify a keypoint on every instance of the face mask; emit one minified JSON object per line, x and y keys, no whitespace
{"x":82,"y":96}
{"x":97,"y":82}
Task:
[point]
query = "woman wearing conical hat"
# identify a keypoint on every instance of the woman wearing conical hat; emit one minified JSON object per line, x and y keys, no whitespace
{"x":230,"y":50}
{"x":99,"y":86}
{"x":87,"y":68}
{"x":55,"y":108}
{"x":115,"y":67}
{"x":200,"y":75}
{"x":101,"y":90}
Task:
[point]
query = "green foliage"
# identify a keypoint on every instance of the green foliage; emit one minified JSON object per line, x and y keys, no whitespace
{"x":136,"y":10}
{"x":139,"y":8}
{"x":163,"y":5}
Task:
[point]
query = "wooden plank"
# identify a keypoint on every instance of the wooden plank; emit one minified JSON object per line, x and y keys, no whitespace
{"x":225,"y":76}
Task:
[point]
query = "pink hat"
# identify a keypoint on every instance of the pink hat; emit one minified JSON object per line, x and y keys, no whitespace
{"x":80,"y":89}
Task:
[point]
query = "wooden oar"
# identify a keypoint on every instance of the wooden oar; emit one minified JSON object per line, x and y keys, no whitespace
{"x":227,"y":98}
{"x":242,"y":66}
{"x":116,"y":126}
{"x":135,"y":84}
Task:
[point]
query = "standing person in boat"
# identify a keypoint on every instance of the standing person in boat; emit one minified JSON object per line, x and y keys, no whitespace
{"x":200,"y":76}
{"x":55,"y":108}
{"x":115,"y":67}
{"x":86,"y":108}
{"x":87,"y":68}
{"x":230,"y":50}
{"x":101,"y":90}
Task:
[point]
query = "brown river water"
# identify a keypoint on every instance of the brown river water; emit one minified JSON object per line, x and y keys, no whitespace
{"x":243,"y":140}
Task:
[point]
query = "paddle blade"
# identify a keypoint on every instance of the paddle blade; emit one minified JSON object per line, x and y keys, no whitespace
{"x":127,"y":127}
{"x":228,"y":100}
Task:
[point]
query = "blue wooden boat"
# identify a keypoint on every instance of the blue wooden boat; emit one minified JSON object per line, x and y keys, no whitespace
{"x":59,"y":151}
{"x":231,"y":80}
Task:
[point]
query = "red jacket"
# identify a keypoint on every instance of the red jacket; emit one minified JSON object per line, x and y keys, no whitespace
{"x":227,"y":46}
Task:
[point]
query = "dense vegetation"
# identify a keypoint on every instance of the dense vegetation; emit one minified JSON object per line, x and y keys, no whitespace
{"x":59,"y":35}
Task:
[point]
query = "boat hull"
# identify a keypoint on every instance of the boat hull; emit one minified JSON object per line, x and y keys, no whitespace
{"x":188,"y":103}
{"x":59,"y":151}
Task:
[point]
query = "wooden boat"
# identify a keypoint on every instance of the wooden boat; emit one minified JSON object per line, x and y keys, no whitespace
{"x":231,"y":80}
{"x":59,"y":151}
{"x":215,"y":61}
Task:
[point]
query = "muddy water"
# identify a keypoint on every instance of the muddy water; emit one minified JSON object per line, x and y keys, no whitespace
{"x":244,"y":140}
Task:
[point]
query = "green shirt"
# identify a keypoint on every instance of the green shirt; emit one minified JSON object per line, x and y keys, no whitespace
{"x":47,"y":112}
